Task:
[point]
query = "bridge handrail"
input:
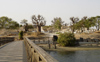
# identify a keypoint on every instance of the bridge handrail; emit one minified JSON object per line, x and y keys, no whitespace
{"x":35,"y":53}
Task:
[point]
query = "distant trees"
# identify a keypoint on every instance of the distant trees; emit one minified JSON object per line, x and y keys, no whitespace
{"x":80,"y":25}
{"x":38,"y":21}
{"x":57,"y":23}
{"x":76,"y":23}
{"x":8,"y":23}
{"x":13,"y":25}
{"x":84,"y":23}
{"x":90,"y":22}
{"x":24,"y":21}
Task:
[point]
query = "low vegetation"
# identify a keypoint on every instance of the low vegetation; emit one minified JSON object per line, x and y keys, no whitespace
{"x":21,"y":35}
{"x":66,"y":39}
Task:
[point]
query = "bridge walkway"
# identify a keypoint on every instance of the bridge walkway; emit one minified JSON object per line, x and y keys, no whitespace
{"x":13,"y":52}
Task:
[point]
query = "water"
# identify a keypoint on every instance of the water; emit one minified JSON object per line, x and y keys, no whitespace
{"x":76,"y":56}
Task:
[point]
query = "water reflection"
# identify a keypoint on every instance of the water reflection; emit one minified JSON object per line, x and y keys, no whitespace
{"x":62,"y":53}
{"x":76,"y":56}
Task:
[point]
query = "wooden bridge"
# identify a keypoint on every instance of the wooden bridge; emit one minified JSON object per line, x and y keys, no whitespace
{"x":22,"y":51}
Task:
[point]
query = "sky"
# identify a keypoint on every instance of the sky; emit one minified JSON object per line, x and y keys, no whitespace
{"x":49,"y":9}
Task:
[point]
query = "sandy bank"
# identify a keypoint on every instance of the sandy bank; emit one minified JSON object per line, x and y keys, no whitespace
{"x":59,"y":48}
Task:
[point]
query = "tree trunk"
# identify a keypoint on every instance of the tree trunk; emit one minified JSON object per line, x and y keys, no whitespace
{"x":88,"y":28}
{"x":73,"y":30}
{"x":38,"y":28}
{"x":98,"y":27}
{"x":81,"y":30}
{"x":26,"y":28}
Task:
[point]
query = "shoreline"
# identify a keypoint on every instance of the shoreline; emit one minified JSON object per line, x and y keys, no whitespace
{"x":59,"y":48}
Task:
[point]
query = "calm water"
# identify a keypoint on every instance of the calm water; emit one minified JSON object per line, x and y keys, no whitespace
{"x":76,"y":56}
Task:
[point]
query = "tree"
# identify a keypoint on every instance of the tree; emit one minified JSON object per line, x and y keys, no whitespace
{"x":13,"y":25}
{"x":24,"y":21}
{"x":26,"y":27}
{"x":8,"y":23}
{"x":57,"y":23}
{"x":82,"y":23}
{"x":97,"y":18}
{"x":4,"y":21}
{"x":30,"y":27}
{"x":38,"y":21}
{"x":85,"y":23}
{"x":74,"y":21}
{"x":90,"y":22}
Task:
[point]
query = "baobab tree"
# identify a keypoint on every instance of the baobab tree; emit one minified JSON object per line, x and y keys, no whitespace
{"x":38,"y":21}
{"x":74,"y":21}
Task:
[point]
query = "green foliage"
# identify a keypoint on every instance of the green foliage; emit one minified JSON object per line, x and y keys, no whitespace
{"x":13,"y":25}
{"x":89,"y":23}
{"x":85,"y":23}
{"x":24,"y":21}
{"x":8,"y":23}
{"x":79,"y":25}
{"x":74,"y":21}
{"x":97,"y":22}
{"x":57,"y":23}
{"x":30,"y":26}
{"x":20,"y":25}
{"x":66,"y":39}
{"x":21,"y":35}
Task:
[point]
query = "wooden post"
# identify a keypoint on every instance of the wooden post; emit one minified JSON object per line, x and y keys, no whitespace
{"x":34,"y":40}
{"x":55,"y":45}
{"x":39,"y":40}
{"x":49,"y":46}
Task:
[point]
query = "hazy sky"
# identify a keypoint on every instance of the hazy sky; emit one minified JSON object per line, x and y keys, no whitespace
{"x":49,"y":9}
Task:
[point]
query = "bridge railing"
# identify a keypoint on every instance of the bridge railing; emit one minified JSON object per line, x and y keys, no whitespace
{"x":35,"y":53}
{"x":89,"y":42}
{"x":41,"y":40}
{"x":4,"y":40}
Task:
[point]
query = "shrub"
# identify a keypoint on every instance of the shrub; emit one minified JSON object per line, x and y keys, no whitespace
{"x":21,"y":35}
{"x":66,"y":39}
